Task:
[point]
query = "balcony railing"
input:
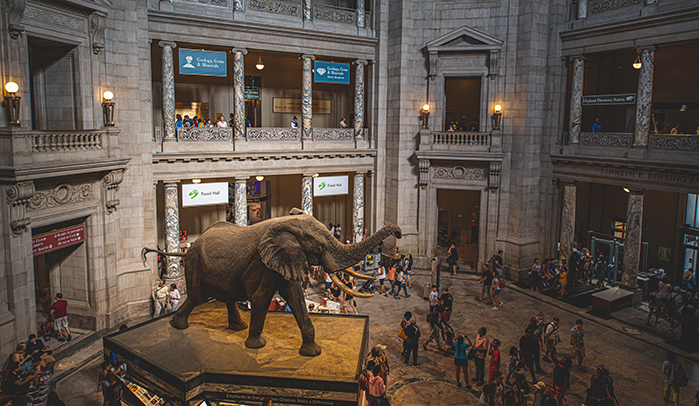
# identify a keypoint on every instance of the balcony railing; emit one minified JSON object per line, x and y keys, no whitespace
{"x":614,"y":140}
{"x":65,"y":141}
{"x":456,"y":141}
{"x":204,"y":134}
{"x":687,"y":143}
{"x":459,"y":138}
{"x":273,"y":134}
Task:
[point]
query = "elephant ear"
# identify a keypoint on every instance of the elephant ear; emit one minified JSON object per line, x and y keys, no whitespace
{"x":281,"y":252}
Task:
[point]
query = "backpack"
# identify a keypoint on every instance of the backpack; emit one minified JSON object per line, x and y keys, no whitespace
{"x":671,"y":303}
{"x":681,"y":379}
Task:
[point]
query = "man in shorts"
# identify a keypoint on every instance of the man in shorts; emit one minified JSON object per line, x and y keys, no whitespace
{"x":60,"y":308}
{"x":447,"y":301}
{"x":551,"y":339}
{"x":487,"y":281}
{"x":497,"y":259}
{"x":577,"y":343}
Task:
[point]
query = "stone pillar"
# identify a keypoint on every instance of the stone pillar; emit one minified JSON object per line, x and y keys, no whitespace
{"x":307,"y":194}
{"x":567,"y":220}
{"x":307,"y":10}
{"x":632,"y":242}
{"x":172,"y":230}
{"x":360,"y":14}
{"x":359,"y":99}
{"x":168,"y":90}
{"x":645,"y":95}
{"x":239,"y":92}
{"x":241,"y":201}
{"x":576,"y":92}
{"x":358,"y":210}
{"x":307,"y":96}
{"x":582,"y":9}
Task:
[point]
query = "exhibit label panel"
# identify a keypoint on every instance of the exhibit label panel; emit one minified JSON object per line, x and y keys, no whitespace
{"x":330,"y":72}
{"x":203,"y":194}
{"x":330,"y":185}
{"x":205,"y":63}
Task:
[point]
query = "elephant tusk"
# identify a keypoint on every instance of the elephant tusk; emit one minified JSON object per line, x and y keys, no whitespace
{"x":357,"y":275}
{"x":347,"y":290}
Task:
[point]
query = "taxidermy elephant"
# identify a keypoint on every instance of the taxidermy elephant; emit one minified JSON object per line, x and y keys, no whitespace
{"x":232,"y":263}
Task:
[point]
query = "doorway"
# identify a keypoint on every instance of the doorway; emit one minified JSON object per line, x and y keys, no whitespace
{"x":458,"y":223}
{"x":463,"y":103}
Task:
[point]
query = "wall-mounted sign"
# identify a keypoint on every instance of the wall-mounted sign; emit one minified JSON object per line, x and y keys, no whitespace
{"x":203,"y":194}
{"x":330,"y":185}
{"x":45,"y":243}
{"x":285,"y":105}
{"x":252,"y":94}
{"x":330,"y":72}
{"x":609,"y":99}
{"x":202,"y":63}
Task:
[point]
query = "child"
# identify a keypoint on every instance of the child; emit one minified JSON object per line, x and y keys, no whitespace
{"x":512,"y":366}
{"x":498,"y":284}
{"x":563,"y":279}
{"x":494,"y":359}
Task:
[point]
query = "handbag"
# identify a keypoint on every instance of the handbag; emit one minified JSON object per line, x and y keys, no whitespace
{"x":681,"y":380}
{"x":402,"y":335}
{"x":471,"y":354}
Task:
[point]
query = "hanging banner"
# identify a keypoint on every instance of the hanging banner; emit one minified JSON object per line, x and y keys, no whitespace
{"x":609,"y":99}
{"x":330,"y":185}
{"x":330,"y":72}
{"x":48,"y":242}
{"x":203,"y":194}
{"x":205,"y":63}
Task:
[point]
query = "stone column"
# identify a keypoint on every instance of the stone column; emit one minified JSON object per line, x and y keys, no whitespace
{"x":307,"y":96}
{"x":307,"y":10}
{"x":241,"y":201}
{"x":360,"y":14}
{"x":645,"y":95}
{"x":576,"y":92}
{"x":359,"y":98}
{"x":168,"y":90}
{"x":172,"y":230}
{"x":632,"y":242}
{"x":358,"y":210}
{"x":568,"y":220}
{"x":307,"y":194}
{"x":239,"y":92}
{"x":582,"y":9}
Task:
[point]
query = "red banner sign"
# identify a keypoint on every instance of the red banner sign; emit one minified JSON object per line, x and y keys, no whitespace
{"x":44,"y":243}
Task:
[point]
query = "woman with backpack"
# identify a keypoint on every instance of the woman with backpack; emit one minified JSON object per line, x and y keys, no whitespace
{"x":675,"y":377}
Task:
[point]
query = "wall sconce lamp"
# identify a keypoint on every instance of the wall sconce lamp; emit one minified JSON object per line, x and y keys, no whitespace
{"x":425,"y":116}
{"x":315,"y":175}
{"x":260,"y":178}
{"x":108,"y":109}
{"x":196,"y":180}
{"x":627,"y":190}
{"x":12,"y":104}
{"x":495,"y":118}
{"x":637,"y":63}
{"x":259,"y":64}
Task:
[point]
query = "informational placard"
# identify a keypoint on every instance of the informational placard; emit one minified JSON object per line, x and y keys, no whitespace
{"x":252,"y":94}
{"x":608,"y":99}
{"x":48,"y":242}
{"x":330,"y":185}
{"x":205,"y":63}
{"x":203,"y":194}
{"x":331,"y":72}
{"x":286,"y":105}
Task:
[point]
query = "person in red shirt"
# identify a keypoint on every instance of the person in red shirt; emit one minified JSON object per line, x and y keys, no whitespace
{"x":60,"y":307}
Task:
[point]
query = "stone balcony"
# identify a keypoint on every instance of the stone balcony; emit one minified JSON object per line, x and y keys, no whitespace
{"x":258,"y":139}
{"x":25,"y":153}
{"x":460,"y":142}
{"x":680,"y":148}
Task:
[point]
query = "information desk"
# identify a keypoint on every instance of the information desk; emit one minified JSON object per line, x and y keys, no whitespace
{"x":209,"y":362}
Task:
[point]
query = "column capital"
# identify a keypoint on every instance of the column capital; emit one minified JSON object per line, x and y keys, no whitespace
{"x":170,"y":183}
{"x":646,"y":48}
{"x":567,"y":182}
{"x":235,"y":50}
{"x":360,"y":62}
{"x":241,"y":179}
{"x":307,"y":56}
{"x":360,"y":173}
{"x":164,"y":43}
{"x":636,"y":191}
{"x":309,"y":175}
{"x":578,"y":57}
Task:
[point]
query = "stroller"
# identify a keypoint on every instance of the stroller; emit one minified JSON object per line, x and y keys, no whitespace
{"x":47,"y":329}
{"x":367,"y":287}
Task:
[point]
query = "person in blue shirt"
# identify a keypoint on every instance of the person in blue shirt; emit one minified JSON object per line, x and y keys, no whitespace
{"x":597,"y":126}
{"x":179,"y":121}
{"x":461,"y":357}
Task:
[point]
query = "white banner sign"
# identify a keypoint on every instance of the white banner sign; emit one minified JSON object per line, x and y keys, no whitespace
{"x":203,"y":194}
{"x":330,"y":185}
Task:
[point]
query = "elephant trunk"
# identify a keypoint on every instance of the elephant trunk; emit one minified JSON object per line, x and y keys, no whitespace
{"x":346,"y":256}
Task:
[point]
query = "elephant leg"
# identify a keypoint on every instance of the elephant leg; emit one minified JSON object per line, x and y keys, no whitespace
{"x":293,"y":294}
{"x":179,"y":320}
{"x":235,"y":323}
{"x":259,"y":305}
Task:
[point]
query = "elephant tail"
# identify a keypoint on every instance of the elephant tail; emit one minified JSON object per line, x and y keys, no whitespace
{"x":146,"y":250}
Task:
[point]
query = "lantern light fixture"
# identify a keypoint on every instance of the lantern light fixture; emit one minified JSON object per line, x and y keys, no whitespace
{"x":12,"y":104}
{"x":196,"y":180}
{"x":260,"y":178}
{"x":637,"y":63}
{"x":260,"y":65}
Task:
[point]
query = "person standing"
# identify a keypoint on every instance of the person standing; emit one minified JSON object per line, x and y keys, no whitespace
{"x":528,"y":347}
{"x":461,"y":345}
{"x":413,"y":333}
{"x":597,"y":126}
{"x":561,"y":380}
{"x":60,"y":308}
{"x":112,"y":396}
{"x":408,"y":267}
{"x":391,"y":280}
{"x":295,"y":122}
{"x":452,"y":258}
{"x":401,"y":333}
{"x":162,"y":294}
{"x":551,"y":339}
{"x":487,"y":281}
{"x":494,"y":360}
{"x":343,"y":123}
{"x":599,"y":390}
{"x":563,"y":279}
{"x":222,"y":122}
{"x":435,"y":327}
{"x":174,"y":297}
{"x":400,"y":283}
{"x":433,"y":299}
{"x":482,"y":345}
{"x":447,"y":302}
{"x":577,"y":343}
{"x":536,"y":275}
{"x":381,"y":276}
{"x":378,"y":356}
{"x":498,"y":263}
{"x":377,"y":387}
{"x":670,"y":367}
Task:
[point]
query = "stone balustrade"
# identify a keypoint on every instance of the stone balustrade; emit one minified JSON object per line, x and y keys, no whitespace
{"x":290,"y":8}
{"x":54,"y":141}
{"x":675,"y":142}
{"x":333,"y":134}
{"x":606,"y":140}
{"x":273,"y":134}
{"x":459,"y":138}
{"x":204,"y":134}
{"x":457,"y":141}
{"x":335,"y":14}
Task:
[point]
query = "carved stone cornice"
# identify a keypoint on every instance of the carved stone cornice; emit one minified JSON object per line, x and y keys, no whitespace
{"x":459,"y":172}
{"x":111,"y":182}
{"x":60,"y":195}
{"x":18,"y":197}
{"x":15,"y":11}
{"x":98,"y":23}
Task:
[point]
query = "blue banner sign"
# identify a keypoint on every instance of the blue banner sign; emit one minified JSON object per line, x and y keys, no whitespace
{"x":330,"y":72}
{"x":202,"y":63}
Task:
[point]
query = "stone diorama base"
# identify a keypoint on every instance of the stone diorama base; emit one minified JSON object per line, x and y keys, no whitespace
{"x":612,"y":299}
{"x":209,"y":362}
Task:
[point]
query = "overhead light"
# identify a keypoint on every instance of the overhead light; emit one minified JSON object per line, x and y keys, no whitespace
{"x":683,"y":108}
{"x":12,"y":88}
{"x":108,"y":95}
{"x":497,"y":108}
{"x":426,"y":107}
{"x":259,"y":64}
{"x":196,"y":180}
{"x":627,"y":190}
{"x":637,"y":63}
{"x":259,"y":178}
